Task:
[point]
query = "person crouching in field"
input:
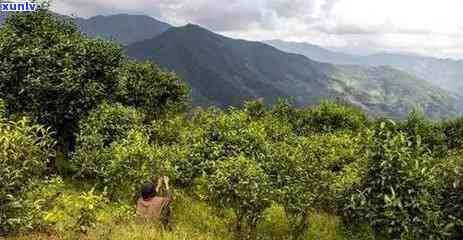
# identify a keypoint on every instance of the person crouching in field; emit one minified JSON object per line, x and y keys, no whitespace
{"x":152,"y":207}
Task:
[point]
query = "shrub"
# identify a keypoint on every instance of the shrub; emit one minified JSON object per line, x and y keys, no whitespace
{"x":25,"y":149}
{"x":2,"y":109}
{"x":171,"y":130}
{"x":74,"y":213}
{"x":240,"y":184}
{"x":397,"y":197}
{"x":51,"y":204}
{"x":220,"y":136}
{"x":453,"y":131}
{"x":304,"y":175}
{"x":148,"y":87}
{"x":418,"y":128}
{"x":451,"y":193}
{"x":98,"y":131}
{"x":332,"y":117}
{"x":133,"y":161}
{"x":255,"y":109}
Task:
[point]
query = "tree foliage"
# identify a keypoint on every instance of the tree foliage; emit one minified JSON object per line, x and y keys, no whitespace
{"x":25,"y":149}
{"x":240,"y":184}
{"x":397,"y":196}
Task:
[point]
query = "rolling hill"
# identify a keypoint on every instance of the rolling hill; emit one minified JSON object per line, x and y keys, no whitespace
{"x":225,"y":72}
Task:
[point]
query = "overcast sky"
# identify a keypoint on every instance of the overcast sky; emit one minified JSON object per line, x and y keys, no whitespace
{"x":428,"y":27}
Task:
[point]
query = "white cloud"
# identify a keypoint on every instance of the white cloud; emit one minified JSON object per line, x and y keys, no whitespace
{"x":420,"y":26}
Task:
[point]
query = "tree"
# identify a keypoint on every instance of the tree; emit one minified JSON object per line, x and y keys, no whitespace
{"x":240,"y":184}
{"x":148,"y":87}
{"x":104,"y":126}
{"x":24,"y":150}
{"x":54,"y":73}
{"x":303,"y":174}
{"x":398,"y":195}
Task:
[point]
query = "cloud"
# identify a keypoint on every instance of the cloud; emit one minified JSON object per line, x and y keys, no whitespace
{"x":429,"y":27}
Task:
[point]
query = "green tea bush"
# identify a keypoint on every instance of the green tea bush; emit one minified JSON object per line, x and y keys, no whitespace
{"x":255,"y":109}
{"x":76,"y":212}
{"x":52,"y":205}
{"x":326,"y":117}
{"x":450,"y":172}
{"x":133,"y":161}
{"x":25,"y":149}
{"x":2,"y":109}
{"x":171,"y":130}
{"x":330,"y":117}
{"x":431,"y":135}
{"x":304,"y":175}
{"x":398,"y":195}
{"x":240,"y":184}
{"x":453,"y":131}
{"x":107,"y":124}
{"x":218,"y":135}
{"x":146,"y":86}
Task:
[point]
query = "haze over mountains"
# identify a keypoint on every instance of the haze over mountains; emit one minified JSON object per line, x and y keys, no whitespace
{"x":225,"y":72}
{"x":446,"y":73}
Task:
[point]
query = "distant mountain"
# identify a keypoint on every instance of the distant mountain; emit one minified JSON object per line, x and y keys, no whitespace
{"x":314,"y":52}
{"x":445,"y":73}
{"x":225,"y":71}
{"x":123,"y":28}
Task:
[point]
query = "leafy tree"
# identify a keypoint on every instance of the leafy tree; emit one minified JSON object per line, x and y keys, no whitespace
{"x":24,"y":150}
{"x":147,"y":87}
{"x":222,"y":135}
{"x":240,"y":184}
{"x":450,"y":172}
{"x":132,"y":162}
{"x":418,"y":128}
{"x":304,"y":175}
{"x":331,"y":117}
{"x":2,"y":109}
{"x":453,"y":132}
{"x":255,"y":109}
{"x":107,"y":124}
{"x":397,"y":196}
{"x":53,"y":72}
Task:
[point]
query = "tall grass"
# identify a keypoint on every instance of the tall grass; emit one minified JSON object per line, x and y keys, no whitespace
{"x":193,"y":219}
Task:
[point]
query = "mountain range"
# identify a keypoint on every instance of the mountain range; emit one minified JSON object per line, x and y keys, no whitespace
{"x":446,"y":73}
{"x":123,"y":28}
{"x":225,"y":72}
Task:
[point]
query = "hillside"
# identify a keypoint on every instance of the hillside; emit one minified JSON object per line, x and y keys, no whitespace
{"x":225,"y":71}
{"x":445,"y":73}
{"x":123,"y":28}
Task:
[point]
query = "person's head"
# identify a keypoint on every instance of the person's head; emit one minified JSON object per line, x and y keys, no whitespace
{"x":148,"y":191}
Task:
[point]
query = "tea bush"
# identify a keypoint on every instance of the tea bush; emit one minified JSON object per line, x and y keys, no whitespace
{"x":397,"y":197}
{"x":147,"y":87}
{"x":329,"y":117}
{"x":25,"y":148}
{"x":304,"y":174}
{"x":133,"y":161}
{"x":239,"y":184}
{"x":450,"y":173}
{"x":98,"y":131}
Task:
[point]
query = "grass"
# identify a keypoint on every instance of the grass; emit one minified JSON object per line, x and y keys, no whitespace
{"x":193,"y":219}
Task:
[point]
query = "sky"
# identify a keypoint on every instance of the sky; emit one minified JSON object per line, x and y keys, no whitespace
{"x":425,"y":27}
